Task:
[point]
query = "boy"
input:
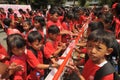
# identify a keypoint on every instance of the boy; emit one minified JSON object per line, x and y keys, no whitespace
{"x":99,"y":45}
{"x":52,"y":46}
{"x":35,"y":43}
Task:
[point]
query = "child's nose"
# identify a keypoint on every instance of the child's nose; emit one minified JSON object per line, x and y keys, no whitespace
{"x":93,"y":50}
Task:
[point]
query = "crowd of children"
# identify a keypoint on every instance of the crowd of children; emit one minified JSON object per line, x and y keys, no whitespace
{"x":36,"y":40}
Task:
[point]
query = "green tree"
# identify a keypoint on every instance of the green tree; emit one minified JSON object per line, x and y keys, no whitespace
{"x":82,"y":2}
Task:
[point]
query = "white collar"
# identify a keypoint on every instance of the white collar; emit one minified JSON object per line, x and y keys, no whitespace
{"x":103,"y":63}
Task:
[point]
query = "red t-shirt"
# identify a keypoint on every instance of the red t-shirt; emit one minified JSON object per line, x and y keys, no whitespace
{"x":90,"y":69}
{"x":117,"y":27}
{"x":3,"y":53}
{"x":49,"y":48}
{"x":58,"y":24}
{"x":29,"y":57}
{"x":12,"y":31}
{"x":32,"y":75}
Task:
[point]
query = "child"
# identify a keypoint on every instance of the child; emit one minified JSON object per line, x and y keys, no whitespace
{"x":10,"y":26}
{"x":39,"y":25}
{"x":55,"y":21}
{"x":20,"y":55}
{"x":99,"y":45}
{"x":35,"y":44}
{"x":52,"y":46}
{"x":26,"y":26}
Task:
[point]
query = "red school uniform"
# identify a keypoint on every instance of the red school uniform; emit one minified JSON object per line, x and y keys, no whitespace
{"x":68,"y":27}
{"x":117,"y":27}
{"x":32,"y":75}
{"x":21,"y":60}
{"x":3,"y":53}
{"x":90,"y":69}
{"x":49,"y":48}
{"x":12,"y":31}
{"x":58,"y":24}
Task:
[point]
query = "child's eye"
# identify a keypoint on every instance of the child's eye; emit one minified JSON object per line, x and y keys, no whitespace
{"x":98,"y":48}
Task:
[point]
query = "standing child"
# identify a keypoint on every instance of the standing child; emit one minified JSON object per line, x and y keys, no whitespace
{"x":26,"y":26}
{"x":35,"y":44}
{"x":52,"y":46}
{"x":99,"y":45}
{"x":20,"y":55}
{"x":10,"y":26}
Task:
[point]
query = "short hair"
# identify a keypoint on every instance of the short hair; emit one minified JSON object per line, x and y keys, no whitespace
{"x":7,"y":21}
{"x":95,"y":25}
{"x":102,"y":36}
{"x":40,"y":19}
{"x":53,"y":29}
{"x":53,"y":10}
{"x":15,"y":40}
{"x":34,"y":35}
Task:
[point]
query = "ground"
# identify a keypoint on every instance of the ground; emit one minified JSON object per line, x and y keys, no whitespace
{"x":3,"y":38}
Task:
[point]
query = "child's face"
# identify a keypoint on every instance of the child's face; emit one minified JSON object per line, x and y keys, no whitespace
{"x":36,"y":24}
{"x":54,"y":17}
{"x":53,"y":36}
{"x":36,"y":44}
{"x":26,"y":26}
{"x":97,"y":51}
{"x":18,"y":51}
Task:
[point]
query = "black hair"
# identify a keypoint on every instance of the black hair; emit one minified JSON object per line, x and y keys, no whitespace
{"x":10,"y":10}
{"x":15,"y":40}
{"x":108,"y":18}
{"x":53,"y":10}
{"x":53,"y":29}
{"x":69,"y":15}
{"x":102,"y":36}
{"x":40,"y":19}
{"x":117,"y":10}
{"x":7,"y":21}
{"x":34,"y":35}
{"x":28,"y":22}
{"x":95,"y":25}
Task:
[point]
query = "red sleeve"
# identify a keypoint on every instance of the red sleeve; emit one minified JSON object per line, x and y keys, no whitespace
{"x":48,"y":49}
{"x":64,"y":26}
{"x":31,"y":59}
{"x":108,"y":77}
{"x":19,"y":60}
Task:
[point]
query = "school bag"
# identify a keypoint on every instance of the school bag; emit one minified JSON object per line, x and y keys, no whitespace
{"x":106,"y":70}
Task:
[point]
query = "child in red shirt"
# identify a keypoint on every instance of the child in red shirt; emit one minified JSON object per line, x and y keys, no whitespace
{"x":39,"y":25}
{"x":10,"y":26}
{"x":52,"y":46}
{"x":35,"y":44}
{"x":27,"y":28}
{"x":99,"y":45}
{"x":20,"y":55}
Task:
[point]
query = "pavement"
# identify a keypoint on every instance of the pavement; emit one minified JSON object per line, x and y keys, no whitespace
{"x":3,"y":37}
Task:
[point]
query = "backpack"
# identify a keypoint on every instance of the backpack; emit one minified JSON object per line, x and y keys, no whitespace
{"x":106,"y":70}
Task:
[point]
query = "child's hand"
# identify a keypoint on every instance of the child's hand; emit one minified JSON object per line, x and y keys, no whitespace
{"x":15,"y":67}
{"x":55,"y":65}
{"x":74,"y":68}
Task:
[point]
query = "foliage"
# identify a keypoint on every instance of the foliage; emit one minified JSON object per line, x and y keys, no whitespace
{"x":82,"y":2}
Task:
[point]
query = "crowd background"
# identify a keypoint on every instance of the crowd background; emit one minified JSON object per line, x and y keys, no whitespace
{"x":38,"y":37}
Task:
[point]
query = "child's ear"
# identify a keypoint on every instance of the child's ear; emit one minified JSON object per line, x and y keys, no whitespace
{"x":109,"y":51}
